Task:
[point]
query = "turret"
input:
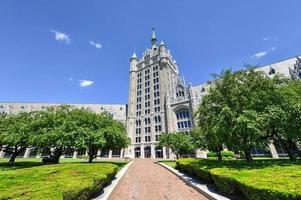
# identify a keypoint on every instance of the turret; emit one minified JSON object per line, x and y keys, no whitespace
{"x":154,"y":39}
{"x":133,"y":62}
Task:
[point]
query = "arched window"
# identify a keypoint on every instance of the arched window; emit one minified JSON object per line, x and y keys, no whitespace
{"x":183,"y":119}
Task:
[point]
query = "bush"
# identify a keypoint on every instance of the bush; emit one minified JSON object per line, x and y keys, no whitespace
{"x":262,"y":179}
{"x":211,"y":154}
{"x":225,"y":154}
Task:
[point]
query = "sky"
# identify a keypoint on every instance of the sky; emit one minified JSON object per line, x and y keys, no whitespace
{"x":77,"y":51}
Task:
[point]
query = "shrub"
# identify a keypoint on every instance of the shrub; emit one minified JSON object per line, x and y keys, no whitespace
{"x":262,"y":179}
{"x":227,"y":154}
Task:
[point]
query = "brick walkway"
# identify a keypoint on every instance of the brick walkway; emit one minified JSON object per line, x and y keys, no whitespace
{"x":146,"y":180}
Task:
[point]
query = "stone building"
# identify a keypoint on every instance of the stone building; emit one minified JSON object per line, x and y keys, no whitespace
{"x":159,"y":101}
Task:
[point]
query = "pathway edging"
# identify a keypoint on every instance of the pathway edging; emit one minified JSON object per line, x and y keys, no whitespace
{"x":109,"y":189}
{"x":202,"y":188}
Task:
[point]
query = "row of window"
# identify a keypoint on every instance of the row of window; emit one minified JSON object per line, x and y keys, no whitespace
{"x":147,"y":120}
{"x":183,"y":114}
{"x":147,"y":138}
{"x":147,"y":111}
{"x":184,"y":124}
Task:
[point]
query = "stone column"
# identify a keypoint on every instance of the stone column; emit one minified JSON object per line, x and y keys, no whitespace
{"x":164,"y":153}
{"x":153,"y":154}
{"x":142,"y":151}
{"x":2,"y":152}
{"x":199,"y":153}
{"x":27,"y":153}
{"x":110,"y":153}
{"x":121,"y":153}
{"x":273,"y":149}
{"x":75,"y":154}
{"x":98,"y":153}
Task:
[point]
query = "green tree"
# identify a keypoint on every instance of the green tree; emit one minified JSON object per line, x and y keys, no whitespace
{"x":177,"y":142}
{"x":98,"y":131}
{"x":282,"y":119}
{"x":57,"y":131}
{"x":17,"y":132}
{"x":231,"y":114}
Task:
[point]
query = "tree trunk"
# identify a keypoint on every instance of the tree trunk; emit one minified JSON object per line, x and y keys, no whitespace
{"x":15,"y":154}
{"x":91,"y":158}
{"x":289,"y":147}
{"x":219,"y":152}
{"x":12,"y":159}
{"x":248,"y":154}
{"x":58,"y":152}
{"x":219,"y":155}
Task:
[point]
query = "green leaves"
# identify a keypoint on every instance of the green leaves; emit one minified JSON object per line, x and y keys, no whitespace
{"x":177,"y":141}
{"x":245,"y":108}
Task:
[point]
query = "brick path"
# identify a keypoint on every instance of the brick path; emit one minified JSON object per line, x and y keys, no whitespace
{"x":146,"y":180}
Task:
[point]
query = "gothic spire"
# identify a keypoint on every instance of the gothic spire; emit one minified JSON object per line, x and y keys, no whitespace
{"x":154,"y":39}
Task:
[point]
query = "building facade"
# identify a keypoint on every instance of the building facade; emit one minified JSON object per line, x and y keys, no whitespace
{"x":159,"y":101}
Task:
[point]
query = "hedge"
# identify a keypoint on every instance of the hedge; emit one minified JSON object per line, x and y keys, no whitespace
{"x":61,"y":181}
{"x":261,"y":180}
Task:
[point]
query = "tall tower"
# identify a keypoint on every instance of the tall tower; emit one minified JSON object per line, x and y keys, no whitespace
{"x":155,"y":92}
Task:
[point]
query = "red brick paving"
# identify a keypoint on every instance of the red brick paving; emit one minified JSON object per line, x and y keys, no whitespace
{"x":146,"y":180}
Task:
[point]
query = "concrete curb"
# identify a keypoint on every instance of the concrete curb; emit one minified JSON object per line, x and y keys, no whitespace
{"x":202,"y":188}
{"x":109,"y":189}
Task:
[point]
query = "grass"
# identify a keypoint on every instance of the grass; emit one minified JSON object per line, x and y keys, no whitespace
{"x":71,"y":179}
{"x":262,"y":179}
{"x":169,"y":163}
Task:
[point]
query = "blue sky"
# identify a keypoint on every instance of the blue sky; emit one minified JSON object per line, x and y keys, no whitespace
{"x":78,"y":51}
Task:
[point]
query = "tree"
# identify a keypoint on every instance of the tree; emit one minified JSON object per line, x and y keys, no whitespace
{"x":57,"y":131}
{"x":282,"y":119}
{"x":17,"y":132}
{"x":232,"y":111}
{"x":98,"y":131}
{"x":177,"y":142}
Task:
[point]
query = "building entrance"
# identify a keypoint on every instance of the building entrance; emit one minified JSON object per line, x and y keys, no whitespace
{"x":137,"y":152}
{"x":147,"y":152}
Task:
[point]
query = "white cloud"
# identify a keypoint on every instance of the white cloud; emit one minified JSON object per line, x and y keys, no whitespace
{"x":95,"y":44}
{"x":263,"y":53}
{"x":60,"y":36}
{"x":85,"y":83}
{"x":269,"y":38}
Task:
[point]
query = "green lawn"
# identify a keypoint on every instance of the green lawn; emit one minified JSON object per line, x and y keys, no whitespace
{"x":262,"y":179}
{"x":71,"y":179}
{"x":169,"y":163}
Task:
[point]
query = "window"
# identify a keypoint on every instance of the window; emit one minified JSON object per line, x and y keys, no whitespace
{"x":147,"y":90}
{"x":147,"y":104}
{"x":147,"y":111}
{"x":147,"y":97}
{"x":156,"y":94}
{"x":156,"y":80}
{"x":138,"y":131}
{"x":272,"y":71}
{"x":138,"y":139}
{"x":158,"y":128}
{"x":183,"y":119}
{"x":147,"y":138}
{"x":157,"y":137}
{"x":157,"y":109}
{"x":146,"y":83}
{"x":147,"y":130}
{"x":138,"y":99}
{"x":146,"y":77}
{"x":157,"y":101}
{"x":138,"y":106}
{"x":156,"y":87}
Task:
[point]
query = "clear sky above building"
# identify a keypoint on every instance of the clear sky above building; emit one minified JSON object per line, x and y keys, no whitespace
{"x":78,"y":51}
